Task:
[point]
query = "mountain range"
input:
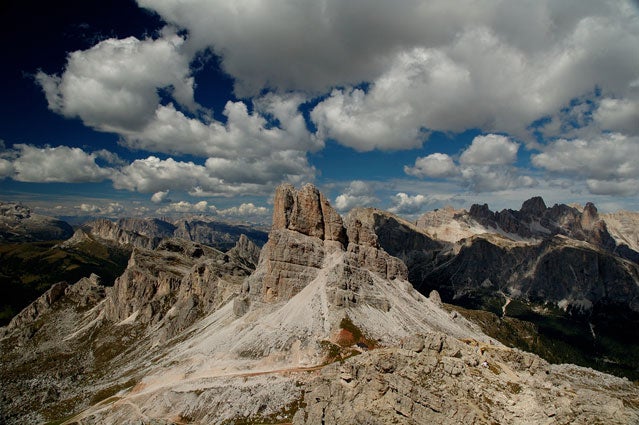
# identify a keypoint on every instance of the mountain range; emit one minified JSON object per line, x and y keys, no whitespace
{"x":38,"y":251}
{"x":362,"y":319}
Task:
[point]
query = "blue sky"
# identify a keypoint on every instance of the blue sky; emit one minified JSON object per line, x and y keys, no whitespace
{"x":201,"y":106}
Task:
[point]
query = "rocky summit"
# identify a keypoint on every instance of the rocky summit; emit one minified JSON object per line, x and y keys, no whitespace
{"x":569,"y":271}
{"x":325,"y":329}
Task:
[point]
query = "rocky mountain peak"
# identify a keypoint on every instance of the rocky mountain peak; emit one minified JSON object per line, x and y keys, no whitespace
{"x":306,"y":232}
{"x":245,"y":251}
{"x":327,"y":329}
{"x":18,"y":211}
{"x":307,"y":211}
{"x":534,"y":206}
{"x":589,"y":216}
{"x":481,"y":212}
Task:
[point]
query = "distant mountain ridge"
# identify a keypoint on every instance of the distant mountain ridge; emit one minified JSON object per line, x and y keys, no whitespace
{"x":19,"y":224}
{"x":571,"y":270}
{"x":32,"y":258}
{"x":535,"y":221}
{"x":148,"y":232}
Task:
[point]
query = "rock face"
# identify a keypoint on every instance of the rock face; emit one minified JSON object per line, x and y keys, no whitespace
{"x":557,"y":271}
{"x":624,"y":228}
{"x":110,"y":231}
{"x":559,"y":268}
{"x":88,"y":340}
{"x":86,"y":292}
{"x":148,"y":232}
{"x":19,"y":224}
{"x":440,"y":380}
{"x":173,"y":285}
{"x":535,"y":220}
{"x":245,"y":252}
{"x":307,"y":212}
{"x":326,"y":330}
{"x":306,"y":229}
{"x":152,"y":228}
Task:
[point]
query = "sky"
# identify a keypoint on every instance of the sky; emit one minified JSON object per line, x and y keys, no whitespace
{"x":163,"y":107}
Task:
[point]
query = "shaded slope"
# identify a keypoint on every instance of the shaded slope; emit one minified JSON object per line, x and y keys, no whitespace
{"x":27,"y":270}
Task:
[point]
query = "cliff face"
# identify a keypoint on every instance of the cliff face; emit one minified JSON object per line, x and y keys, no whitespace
{"x":110,"y":231}
{"x":148,"y":232}
{"x":306,"y":231}
{"x":570,"y":271}
{"x":327,"y":329}
{"x":173,"y":285}
{"x":535,"y":220}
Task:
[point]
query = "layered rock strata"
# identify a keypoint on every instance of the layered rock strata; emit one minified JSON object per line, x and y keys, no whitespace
{"x":436,"y":379}
{"x":306,"y":230}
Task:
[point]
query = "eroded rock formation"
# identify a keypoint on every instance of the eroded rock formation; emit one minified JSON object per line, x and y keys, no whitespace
{"x":326,"y":330}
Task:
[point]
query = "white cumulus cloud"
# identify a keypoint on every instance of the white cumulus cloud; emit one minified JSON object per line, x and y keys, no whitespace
{"x":403,"y":203}
{"x":113,"y":85}
{"x":56,"y":164}
{"x":491,"y":149}
{"x":244,"y":210}
{"x":159,"y":197}
{"x":357,"y":194}
{"x":185,"y":207}
{"x":6,"y":168}
{"x":618,"y":115}
{"x":608,"y":162}
{"x":109,"y":209}
{"x":484,"y":166}
{"x":436,"y":165}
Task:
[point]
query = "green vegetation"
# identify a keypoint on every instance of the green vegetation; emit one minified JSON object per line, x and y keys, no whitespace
{"x":354,"y":335}
{"x":27,"y":270}
{"x":349,"y":326}
{"x":562,"y":337}
{"x":514,"y":387}
{"x":343,"y":348}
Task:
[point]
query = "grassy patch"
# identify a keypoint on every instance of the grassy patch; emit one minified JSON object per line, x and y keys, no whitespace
{"x":514,"y":387}
{"x":559,"y":337}
{"x":27,"y":270}
{"x":350,"y":335}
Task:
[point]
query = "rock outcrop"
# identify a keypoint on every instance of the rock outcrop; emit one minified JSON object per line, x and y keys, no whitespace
{"x":326,"y":330}
{"x":435,"y":379}
{"x":173,"y":285}
{"x":449,"y":225}
{"x":148,"y":232}
{"x":624,"y":228}
{"x":245,"y":252}
{"x":19,"y":224}
{"x":152,"y":228}
{"x":110,"y":231}
{"x":558,"y":268}
{"x":536,"y":221}
{"x":306,"y":230}
{"x":218,"y":234}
